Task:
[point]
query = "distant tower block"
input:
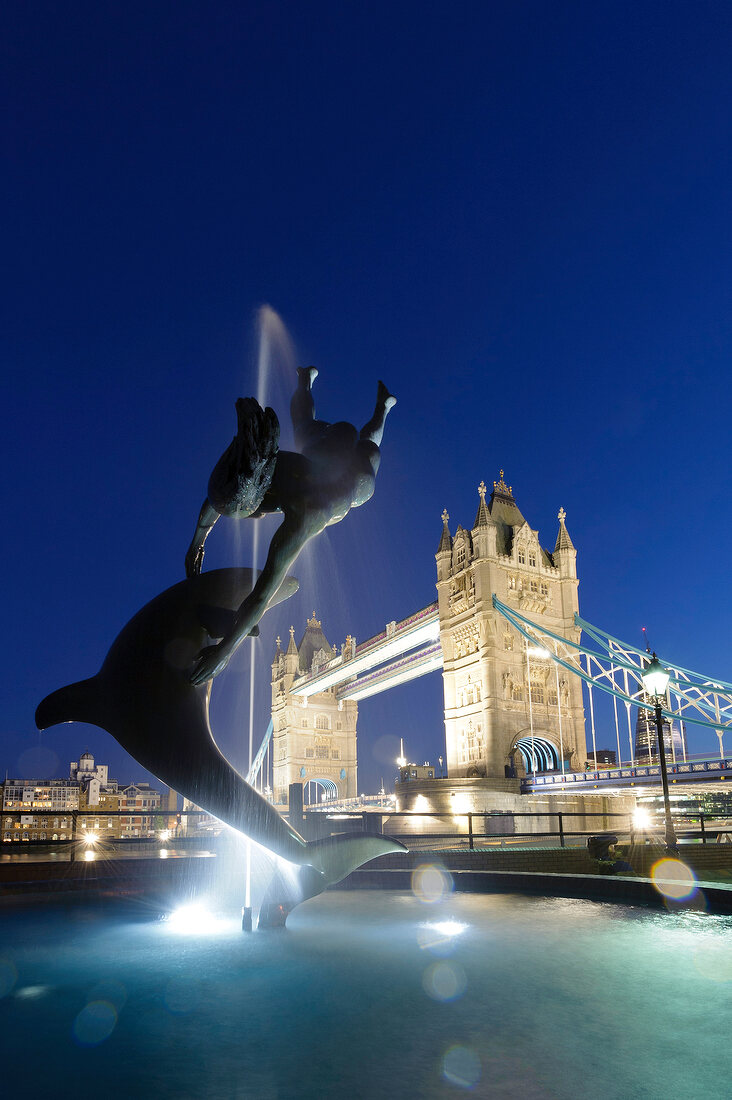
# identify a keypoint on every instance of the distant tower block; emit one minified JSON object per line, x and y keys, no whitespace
{"x":499,"y":697}
{"x":313,"y":739}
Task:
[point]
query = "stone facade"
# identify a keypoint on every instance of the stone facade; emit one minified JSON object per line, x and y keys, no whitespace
{"x":497,"y":692}
{"x":313,"y":739}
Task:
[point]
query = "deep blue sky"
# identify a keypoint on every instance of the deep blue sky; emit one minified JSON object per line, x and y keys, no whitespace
{"x":517,"y":214}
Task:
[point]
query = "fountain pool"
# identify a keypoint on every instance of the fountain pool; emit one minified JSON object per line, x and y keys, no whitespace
{"x":369,"y":994}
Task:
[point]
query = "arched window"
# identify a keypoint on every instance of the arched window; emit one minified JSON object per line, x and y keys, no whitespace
{"x":322,"y":723}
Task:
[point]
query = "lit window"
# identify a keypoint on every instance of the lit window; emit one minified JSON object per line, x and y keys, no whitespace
{"x":552,"y":696}
{"x":517,"y":692}
{"x":512,"y":582}
{"x":521,"y":557}
{"x":309,"y":753}
{"x":534,"y":586}
{"x":336,"y":754}
{"x":545,"y":589}
{"x":321,"y":722}
{"x":537,"y":692}
{"x":532,"y":559}
{"x":322,"y":752}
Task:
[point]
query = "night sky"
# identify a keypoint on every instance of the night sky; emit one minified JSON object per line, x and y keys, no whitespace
{"x":517,"y":214}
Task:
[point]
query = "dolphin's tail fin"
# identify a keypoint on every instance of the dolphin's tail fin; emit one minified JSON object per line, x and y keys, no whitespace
{"x":336,"y":856}
{"x":77,"y":702}
{"x":329,"y":861}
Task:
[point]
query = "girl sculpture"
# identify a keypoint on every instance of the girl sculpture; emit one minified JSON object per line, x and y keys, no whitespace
{"x":334,"y":471}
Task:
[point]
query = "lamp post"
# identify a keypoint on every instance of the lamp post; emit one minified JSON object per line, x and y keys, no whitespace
{"x":655,"y":682}
{"x":440,"y":759}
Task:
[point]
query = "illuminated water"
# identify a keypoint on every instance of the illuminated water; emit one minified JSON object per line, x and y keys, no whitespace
{"x":369,"y":995}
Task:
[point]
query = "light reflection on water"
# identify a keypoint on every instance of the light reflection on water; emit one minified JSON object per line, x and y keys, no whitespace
{"x":536,"y":998}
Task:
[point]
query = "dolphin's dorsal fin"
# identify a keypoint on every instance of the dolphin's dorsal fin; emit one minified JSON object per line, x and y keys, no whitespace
{"x":79,"y":702}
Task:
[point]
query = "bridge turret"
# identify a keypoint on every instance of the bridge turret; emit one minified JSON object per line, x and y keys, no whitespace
{"x":292,"y":658}
{"x":484,"y":529}
{"x":565,"y":555}
{"x":443,"y":556}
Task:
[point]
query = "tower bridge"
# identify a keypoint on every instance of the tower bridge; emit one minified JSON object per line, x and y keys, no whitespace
{"x":506,"y":633}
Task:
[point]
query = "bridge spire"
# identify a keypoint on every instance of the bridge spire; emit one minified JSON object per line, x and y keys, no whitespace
{"x":482,"y":518}
{"x":292,"y":648}
{"x":445,"y":540}
{"x":563,"y":542}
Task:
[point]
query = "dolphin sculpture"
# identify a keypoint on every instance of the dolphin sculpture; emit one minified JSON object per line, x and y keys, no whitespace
{"x":143,"y":697}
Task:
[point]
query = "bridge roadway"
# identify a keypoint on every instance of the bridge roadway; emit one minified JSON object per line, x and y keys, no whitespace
{"x":366,"y":671}
{"x":642,"y":775}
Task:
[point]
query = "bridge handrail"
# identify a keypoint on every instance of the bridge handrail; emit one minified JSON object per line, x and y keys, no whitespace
{"x":624,"y":771}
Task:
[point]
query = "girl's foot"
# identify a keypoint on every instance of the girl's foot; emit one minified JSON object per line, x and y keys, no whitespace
{"x":306,"y":376}
{"x":383,"y":397}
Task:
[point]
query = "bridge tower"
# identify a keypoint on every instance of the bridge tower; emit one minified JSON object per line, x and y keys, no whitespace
{"x":504,"y":705}
{"x":313,"y":739}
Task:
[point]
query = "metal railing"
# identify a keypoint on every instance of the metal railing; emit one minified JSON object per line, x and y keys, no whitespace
{"x":471,"y":829}
{"x":423,"y":829}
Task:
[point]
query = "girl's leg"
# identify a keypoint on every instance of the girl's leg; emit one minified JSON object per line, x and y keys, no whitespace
{"x":374,"y":430}
{"x":302,"y":406}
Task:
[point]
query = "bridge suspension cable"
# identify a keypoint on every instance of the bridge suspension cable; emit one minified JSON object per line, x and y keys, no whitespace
{"x":615,"y":667}
{"x":253,"y":773}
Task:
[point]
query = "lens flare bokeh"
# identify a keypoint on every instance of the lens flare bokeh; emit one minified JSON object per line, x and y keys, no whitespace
{"x":673,"y":879}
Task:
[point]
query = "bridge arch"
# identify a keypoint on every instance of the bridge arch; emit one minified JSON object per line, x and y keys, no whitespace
{"x":538,"y":753}
{"x":318,"y":789}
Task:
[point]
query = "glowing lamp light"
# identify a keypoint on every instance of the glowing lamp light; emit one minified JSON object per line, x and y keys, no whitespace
{"x":641,"y":820}
{"x":655,"y":679}
{"x":91,"y":838}
{"x":164,"y":834}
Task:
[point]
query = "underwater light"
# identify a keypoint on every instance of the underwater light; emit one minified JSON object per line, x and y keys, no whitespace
{"x":448,"y":927}
{"x":194,"y":919}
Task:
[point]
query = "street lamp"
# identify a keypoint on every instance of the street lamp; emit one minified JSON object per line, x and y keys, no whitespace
{"x":440,"y":759}
{"x":655,"y":682}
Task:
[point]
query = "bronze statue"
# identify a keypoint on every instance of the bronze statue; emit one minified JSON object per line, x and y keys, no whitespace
{"x":143,"y":697}
{"x":335,"y":471}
